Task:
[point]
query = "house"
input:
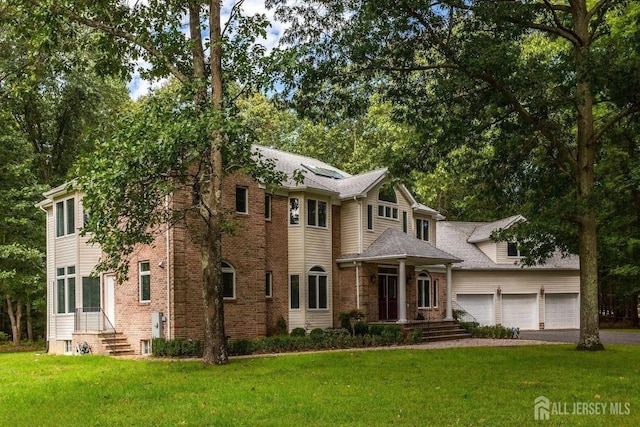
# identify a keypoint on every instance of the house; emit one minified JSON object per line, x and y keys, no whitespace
{"x":492,"y":286}
{"x":299,"y":257}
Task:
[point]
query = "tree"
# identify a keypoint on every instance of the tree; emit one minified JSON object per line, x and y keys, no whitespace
{"x":199,"y":131}
{"x":21,"y":257}
{"x":543,"y":82}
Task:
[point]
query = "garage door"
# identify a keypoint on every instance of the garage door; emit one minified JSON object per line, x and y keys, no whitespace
{"x":561,"y":311}
{"x":479,"y":306}
{"x":520,"y":311}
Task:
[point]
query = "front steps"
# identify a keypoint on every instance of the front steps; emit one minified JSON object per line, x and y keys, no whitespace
{"x":115,"y":344}
{"x":437,"y":330}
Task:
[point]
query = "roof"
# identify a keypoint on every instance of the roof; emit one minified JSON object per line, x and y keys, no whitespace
{"x":482,"y":231}
{"x":323,"y":177}
{"x":455,"y":238}
{"x":394,"y":244}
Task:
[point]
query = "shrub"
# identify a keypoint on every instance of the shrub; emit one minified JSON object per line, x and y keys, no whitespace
{"x":317,"y":333}
{"x":391,"y":334}
{"x":469,"y":326}
{"x":298,"y":332}
{"x":376,"y":329}
{"x":3,"y":337}
{"x":176,"y":348}
{"x":349,"y":318}
{"x":415,"y":336}
{"x":499,"y":332}
{"x":281,"y":326}
{"x":240,"y":347}
{"x":360,"y":328}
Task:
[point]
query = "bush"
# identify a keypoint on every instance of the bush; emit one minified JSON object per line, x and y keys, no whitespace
{"x":317,"y":333}
{"x":176,"y":348}
{"x":347,"y":319}
{"x":391,"y":334}
{"x":376,"y":329}
{"x":240,"y":347}
{"x":3,"y":337}
{"x":360,"y":328}
{"x":281,"y":326}
{"x":298,"y":332}
{"x":415,"y":336}
{"x":499,"y":332}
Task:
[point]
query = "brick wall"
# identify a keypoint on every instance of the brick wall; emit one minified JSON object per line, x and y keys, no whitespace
{"x":277,"y":262}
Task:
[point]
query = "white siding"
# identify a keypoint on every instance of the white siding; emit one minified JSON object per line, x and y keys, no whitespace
{"x":519,"y":281}
{"x":350,"y":228}
{"x":489,"y":249}
{"x":381,"y":223}
{"x":64,"y":326}
{"x":51,"y":321}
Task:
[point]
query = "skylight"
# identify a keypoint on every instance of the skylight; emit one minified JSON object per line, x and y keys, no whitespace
{"x":328,"y":173}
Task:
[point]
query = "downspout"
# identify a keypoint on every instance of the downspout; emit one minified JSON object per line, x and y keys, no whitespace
{"x":355,"y":199}
{"x":168,"y":273}
{"x":357,"y":285}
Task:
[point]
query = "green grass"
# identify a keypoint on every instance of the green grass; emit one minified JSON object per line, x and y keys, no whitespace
{"x":459,"y":386}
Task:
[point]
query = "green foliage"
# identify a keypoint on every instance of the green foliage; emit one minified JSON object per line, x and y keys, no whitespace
{"x":161,"y":347}
{"x":360,"y":328}
{"x":499,"y":332}
{"x":298,"y":332}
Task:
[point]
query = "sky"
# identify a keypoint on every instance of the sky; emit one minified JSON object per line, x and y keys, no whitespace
{"x":139,"y":87}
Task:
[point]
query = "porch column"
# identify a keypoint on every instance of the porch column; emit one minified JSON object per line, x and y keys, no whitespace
{"x":402,"y":293}
{"x":449,"y":314}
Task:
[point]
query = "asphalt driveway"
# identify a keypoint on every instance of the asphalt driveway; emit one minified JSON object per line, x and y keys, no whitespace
{"x":572,"y":335}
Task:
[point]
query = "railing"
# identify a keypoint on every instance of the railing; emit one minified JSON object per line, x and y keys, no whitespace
{"x":462,"y":315}
{"x":94,"y":319}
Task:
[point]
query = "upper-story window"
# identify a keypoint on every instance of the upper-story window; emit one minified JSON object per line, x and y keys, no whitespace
{"x":422,"y":229}
{"x":242,"y":202}
{"x":228,"y":281}
{"x":144,"y":281}
{"x":316,"y":213}
{"x":369,"y":217}
{"x":65,"y":217}
{"x":267,"y":206}
{"x":386,"y":196}
{"x":294,"y":211}
{"x":405,"y":222}
{"x":513,"y":251}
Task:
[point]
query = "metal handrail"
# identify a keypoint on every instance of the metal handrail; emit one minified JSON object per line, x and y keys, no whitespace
{"x":94,"y":319}
{"x":463,"y":315}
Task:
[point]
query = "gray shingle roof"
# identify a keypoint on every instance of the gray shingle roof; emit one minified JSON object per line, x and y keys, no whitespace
{"x":483,"y":230}
{"x":348,"y":187}
{"x":394,"y":244}
{"x":454,"y":237}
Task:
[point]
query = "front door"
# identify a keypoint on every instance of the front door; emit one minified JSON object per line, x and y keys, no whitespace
{"x":109,"y":300}
{"x":388,"y":293}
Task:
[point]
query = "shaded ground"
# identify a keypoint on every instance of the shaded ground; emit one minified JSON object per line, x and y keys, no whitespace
{"x":572,"y":335}
{"x":10,"y":348}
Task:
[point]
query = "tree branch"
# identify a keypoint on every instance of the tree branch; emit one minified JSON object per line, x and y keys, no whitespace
{"x":133,"y":38}
{"x":613,"y":121}
{"x":234,"y":11}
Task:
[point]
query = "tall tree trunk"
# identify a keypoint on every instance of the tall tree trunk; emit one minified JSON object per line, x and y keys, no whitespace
{"x":215,"y":350}
{"x":15,"y":318}
{"x":585,"y":179}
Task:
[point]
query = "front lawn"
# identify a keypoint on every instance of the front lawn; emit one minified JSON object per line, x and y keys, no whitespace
{"x":459,"y":386}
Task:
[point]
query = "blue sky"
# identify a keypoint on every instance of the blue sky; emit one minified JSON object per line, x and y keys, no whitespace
{"x":139,"y":87}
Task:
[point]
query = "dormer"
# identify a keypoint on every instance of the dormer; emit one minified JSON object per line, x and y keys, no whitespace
{"x":498,"y":252}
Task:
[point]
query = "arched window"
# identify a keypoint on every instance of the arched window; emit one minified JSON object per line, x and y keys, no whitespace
{"x":387,"y":196}
{"x":318,"y":289}
{"x":427,"y":291}
{"x":228,"y":281}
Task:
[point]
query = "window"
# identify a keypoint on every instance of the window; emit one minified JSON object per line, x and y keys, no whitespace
{"x":66,"y":289}
{"x":145,"y":347}
{"x":65,"y":218}
{"x":68,"y":346}
{"x":242,"y":204}
{"x":387,"y":212}
{"x":513,"y":250}
{"x":387,"y":194}
{"x":228,"y":281}
{"x":405,"y":221}
{"x":268,"y":284}
{"x":294,"y":292}
{"x":294,"y":211}
{"x":316,"y":213}
{"x":144,"y":279}
{"x":318,"y":294}
{"x":422,"y":229}
{"x":369,"y":217}
{"x":90,"y":294}
{"x":267,"y":206}
{"x":427,"y":291}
